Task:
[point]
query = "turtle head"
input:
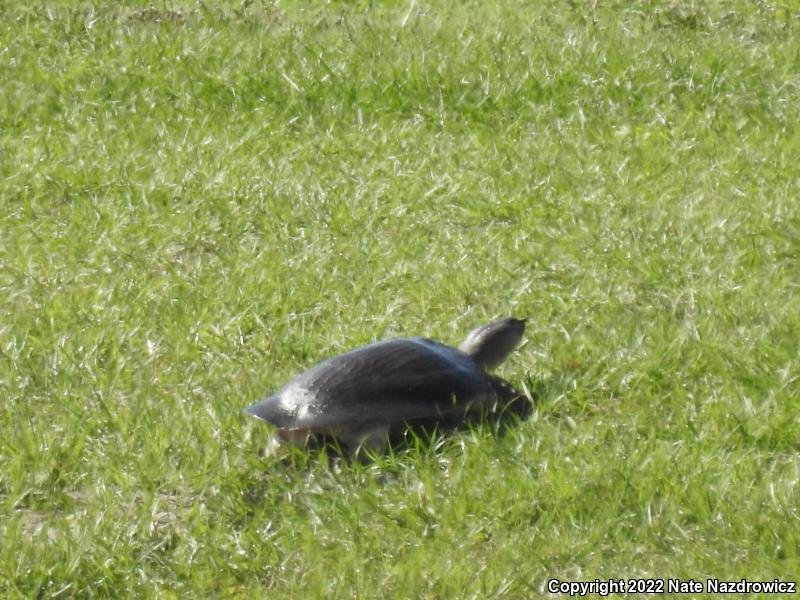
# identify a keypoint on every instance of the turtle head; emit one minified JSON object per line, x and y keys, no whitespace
{"x":490,"y":344}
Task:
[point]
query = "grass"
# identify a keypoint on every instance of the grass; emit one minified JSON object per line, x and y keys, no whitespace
{"x":200,"y":199}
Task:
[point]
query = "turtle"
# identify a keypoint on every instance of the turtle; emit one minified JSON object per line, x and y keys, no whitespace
{"x":367,"y":396}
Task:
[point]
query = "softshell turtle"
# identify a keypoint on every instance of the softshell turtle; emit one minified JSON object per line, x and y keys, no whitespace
{"x":365,"y":396}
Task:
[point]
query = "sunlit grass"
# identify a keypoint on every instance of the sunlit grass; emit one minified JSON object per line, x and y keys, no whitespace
{"x":199,"y":201}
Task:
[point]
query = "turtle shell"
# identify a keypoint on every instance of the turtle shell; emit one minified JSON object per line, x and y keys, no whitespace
{"x":383,"y":384}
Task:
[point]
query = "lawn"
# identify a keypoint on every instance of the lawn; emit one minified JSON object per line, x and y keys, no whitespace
{"x":200,"y":199}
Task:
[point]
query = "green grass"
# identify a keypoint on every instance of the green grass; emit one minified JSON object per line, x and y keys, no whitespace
{"x":199,"y":200}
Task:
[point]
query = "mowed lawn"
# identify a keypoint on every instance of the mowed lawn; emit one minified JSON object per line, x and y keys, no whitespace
{"x":198,"y":200}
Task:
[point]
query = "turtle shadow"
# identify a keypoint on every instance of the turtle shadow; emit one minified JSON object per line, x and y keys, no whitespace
{"x":499,"y":420}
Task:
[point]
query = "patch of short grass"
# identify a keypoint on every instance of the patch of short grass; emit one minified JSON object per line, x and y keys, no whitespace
{"x":198,"y":201}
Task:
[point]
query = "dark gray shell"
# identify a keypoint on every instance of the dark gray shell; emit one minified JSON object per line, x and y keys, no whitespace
{"x":385,"y":383}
